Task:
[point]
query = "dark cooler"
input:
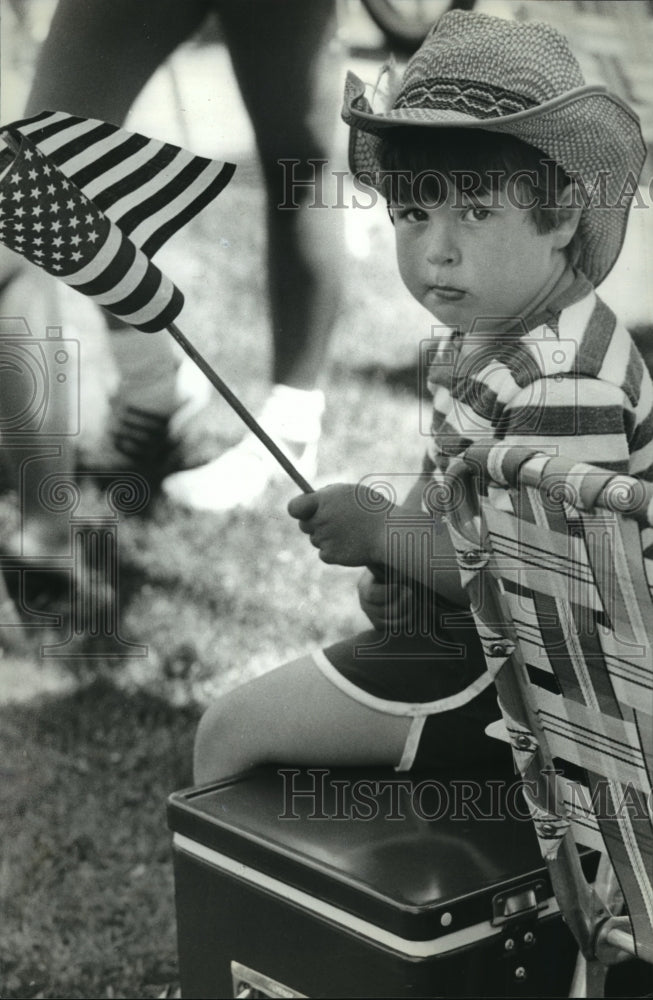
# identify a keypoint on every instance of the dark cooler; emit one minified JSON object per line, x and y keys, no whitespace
{"x":344,"y":883}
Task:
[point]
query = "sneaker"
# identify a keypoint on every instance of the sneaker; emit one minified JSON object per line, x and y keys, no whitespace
{"x":240,"y":476}
{"x":150,"y":443}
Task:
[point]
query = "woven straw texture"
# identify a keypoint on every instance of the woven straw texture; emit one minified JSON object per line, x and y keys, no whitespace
{"x":477,"y":71}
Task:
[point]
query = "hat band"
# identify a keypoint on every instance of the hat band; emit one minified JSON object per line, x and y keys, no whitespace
{"x":479,"y":100}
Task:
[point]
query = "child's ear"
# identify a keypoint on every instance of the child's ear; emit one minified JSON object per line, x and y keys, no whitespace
{"x":567,"y":217}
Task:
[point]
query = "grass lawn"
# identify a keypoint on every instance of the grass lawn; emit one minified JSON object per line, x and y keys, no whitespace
{"x":90,"y":748}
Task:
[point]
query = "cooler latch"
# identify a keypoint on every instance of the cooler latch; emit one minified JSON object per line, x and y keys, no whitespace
{"x":516,"y":913}
{"x":519,"y":903}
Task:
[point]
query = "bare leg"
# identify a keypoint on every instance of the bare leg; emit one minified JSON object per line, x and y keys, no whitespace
{"x":98,"y":56}
{"x":288,"y":75}
{"x":294,"y":715}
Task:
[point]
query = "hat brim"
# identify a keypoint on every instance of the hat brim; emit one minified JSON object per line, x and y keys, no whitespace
{"x":588,"y":131}
{"x":355,"y":111}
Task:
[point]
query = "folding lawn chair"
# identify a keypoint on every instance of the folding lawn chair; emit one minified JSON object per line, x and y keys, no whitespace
{"x":552,"y":557}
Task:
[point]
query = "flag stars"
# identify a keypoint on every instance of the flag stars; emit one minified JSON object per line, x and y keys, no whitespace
{"x":18,"y":195}
{"x":73,"y":222}
{"x":15,"y":178}
{"x":20,"y":211}
{"x":70,"y":203}
{"x":51,"y":189}
{"x":57,"y":241}
{"x":92,"y":236}
{"x":28,"y":154}
{"x":76,"y":239}
{"x":38,"y":226}
{"x":35,"y":192}
{"x":54,"y":207}
{"x":37,"y":210}
{"x":33,"y":174}
{"x":55,"y":226}
{"x":76,"y":255}
{"x":46,"y":170}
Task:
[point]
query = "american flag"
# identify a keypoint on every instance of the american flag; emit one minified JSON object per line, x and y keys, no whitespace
{"x":89,"y":203}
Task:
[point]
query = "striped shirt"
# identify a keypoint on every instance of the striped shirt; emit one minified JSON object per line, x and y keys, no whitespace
{"x":569,"y":382}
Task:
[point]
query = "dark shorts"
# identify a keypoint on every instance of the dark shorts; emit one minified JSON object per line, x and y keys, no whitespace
{"x":435,"y":677}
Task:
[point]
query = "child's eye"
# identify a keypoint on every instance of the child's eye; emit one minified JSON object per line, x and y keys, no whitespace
{"x":411,"y":214}
{"x":476,"y":213}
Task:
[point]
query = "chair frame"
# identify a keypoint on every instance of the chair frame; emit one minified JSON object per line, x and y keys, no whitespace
{"x":592,"y":911}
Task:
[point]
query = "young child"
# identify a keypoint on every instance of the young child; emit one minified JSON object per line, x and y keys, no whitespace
{"x":509,"y":183}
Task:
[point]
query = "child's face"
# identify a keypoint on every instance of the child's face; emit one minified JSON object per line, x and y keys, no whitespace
{"x":480,"y":262}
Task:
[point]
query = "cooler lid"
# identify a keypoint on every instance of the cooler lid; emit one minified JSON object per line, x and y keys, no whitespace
{"x":418,"y":854}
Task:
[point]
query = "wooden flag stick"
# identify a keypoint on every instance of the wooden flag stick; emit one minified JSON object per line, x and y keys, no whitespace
{"x":240,"y":409}
{"x":378,"y":571}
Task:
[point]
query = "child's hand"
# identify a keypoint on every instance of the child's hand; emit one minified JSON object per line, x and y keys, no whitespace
{"x":387,"y":605}
{"x":346,"y":523}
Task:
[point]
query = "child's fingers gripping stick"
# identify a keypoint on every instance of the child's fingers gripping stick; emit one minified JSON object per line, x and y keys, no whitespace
{"x":343,"y":528}
{"x":303,"y":508}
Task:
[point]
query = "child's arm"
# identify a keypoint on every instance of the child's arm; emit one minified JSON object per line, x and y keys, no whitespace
{"x":342,"y":523}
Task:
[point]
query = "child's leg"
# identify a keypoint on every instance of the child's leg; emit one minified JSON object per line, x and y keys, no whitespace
{"x":294,"y":715}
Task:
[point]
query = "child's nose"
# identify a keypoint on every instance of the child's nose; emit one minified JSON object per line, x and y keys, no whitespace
{"x":442,"y":247}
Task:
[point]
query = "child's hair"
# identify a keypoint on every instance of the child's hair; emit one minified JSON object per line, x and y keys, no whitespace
{"x":419,"y":164}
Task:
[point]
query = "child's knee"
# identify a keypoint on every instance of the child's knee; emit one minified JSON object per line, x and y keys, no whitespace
{"x":232,"y":735}
{"x":215,"y":741}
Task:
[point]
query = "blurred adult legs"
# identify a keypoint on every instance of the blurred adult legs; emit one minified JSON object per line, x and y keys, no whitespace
{"x":94,"y":62}
{"x":34,"y":414}
{"x":286,"y":65}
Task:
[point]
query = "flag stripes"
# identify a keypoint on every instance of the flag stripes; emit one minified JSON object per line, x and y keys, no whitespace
{"x":89,"y":203}
{"x":150,"y":189}
{"x":45,"y":218}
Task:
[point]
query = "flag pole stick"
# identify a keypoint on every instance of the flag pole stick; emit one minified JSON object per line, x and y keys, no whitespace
{"x":240,"y":409}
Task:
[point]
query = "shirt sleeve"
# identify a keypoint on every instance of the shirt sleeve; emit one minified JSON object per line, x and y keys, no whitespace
{"x":581,"y":419}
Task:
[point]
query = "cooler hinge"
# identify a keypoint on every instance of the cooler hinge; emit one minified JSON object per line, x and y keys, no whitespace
{"x":248,"y":984}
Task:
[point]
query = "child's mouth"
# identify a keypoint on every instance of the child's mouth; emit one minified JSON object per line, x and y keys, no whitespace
{"x":447,"y":293}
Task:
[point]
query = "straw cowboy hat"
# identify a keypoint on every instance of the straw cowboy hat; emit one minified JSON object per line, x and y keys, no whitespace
{"x":477,"y":71}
